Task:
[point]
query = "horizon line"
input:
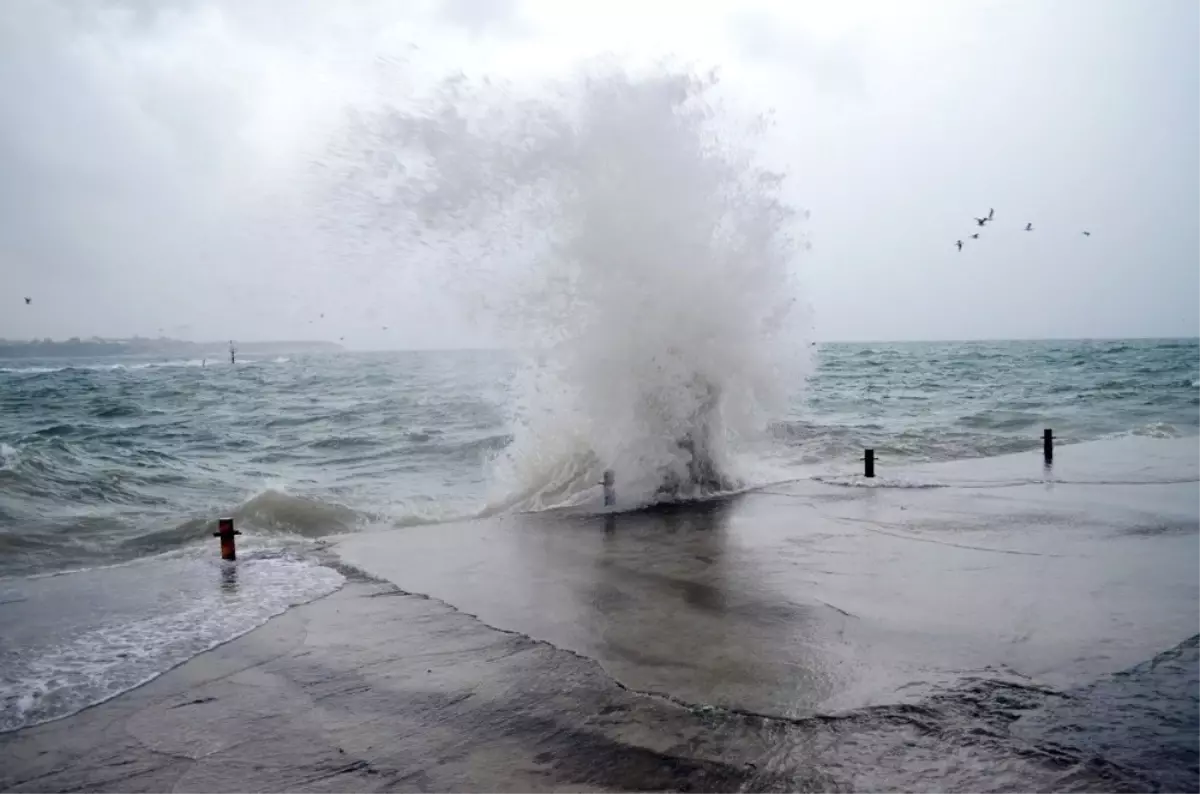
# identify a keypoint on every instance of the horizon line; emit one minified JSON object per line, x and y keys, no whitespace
{"x":349,"y":347}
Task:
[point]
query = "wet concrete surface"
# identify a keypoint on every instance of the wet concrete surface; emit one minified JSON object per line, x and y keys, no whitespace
{"x":819,"y":597}
{"x":372,"y":689}
{"x":998,"y":635}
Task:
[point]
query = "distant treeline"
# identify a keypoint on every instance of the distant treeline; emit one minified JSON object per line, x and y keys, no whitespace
{"x":173,"y":348}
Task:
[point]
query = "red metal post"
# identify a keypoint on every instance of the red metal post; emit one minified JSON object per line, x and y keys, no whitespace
{"x":226,"y":532}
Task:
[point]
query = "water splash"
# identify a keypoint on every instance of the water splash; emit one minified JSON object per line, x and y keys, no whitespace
{"x":622,"y":230}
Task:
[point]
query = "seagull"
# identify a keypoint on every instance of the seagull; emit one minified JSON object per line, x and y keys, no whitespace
{"x":1087,"y":234}
{"x":991,"y":213}
{"x":975,"y":236}
{"x":981,"y":221}
{"x":28,"y":301}
{"x":1029,"y":226}
{"x":959,"y":244}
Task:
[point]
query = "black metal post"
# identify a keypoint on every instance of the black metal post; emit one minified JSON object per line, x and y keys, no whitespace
{"x":610,"y":495}
{"x":1048,"y":444}
{"x":870,"y":462}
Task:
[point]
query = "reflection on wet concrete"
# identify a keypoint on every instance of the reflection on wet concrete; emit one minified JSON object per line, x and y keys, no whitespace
{"x":667,"y":607}
{"x":229,"y":577}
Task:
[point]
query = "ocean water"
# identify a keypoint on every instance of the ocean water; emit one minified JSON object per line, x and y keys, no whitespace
{"x":112,"y":474}
{"x":103,"y":462}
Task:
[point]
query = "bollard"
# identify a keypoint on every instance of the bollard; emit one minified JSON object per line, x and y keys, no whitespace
{"x":1048,"y":445}
{"x":870,"y":461}
{"x":610,"y":496}
{"x":225,"y":532}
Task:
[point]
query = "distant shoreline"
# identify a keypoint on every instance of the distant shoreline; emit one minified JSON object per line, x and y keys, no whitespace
{"x":95,"y":347}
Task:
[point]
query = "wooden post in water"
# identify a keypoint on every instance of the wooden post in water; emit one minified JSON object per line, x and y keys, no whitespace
{"x":610,"y":494}
{"x":1048,"y":445}
{"x":225,"y":532}
{"x":870,"y":463}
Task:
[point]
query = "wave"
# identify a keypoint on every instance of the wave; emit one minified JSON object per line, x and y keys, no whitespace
{"x":122,"y":410}
{"x":649,"y":265}
{"x":77,"y":466}
{"x":1134,"y":730}
{"x":8,"y":456}
{"x":268,"y":519}
{"x":60,"y":430}
{"x":1002,"y":420}
{"x":809,"y":442}
{"x":215,"y":362}
{"x":31,"y":370}
{"x":194,"y":605}
{"x":494,"y":442}
{"x":271,"y":514}
{"x":46,"y":370}
{"x":1151,"y":430}
{"x":344,"y":442}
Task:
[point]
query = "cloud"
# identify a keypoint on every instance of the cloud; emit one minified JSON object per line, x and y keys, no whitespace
{"x":833,"y":66}
{"x":153,"y":152}
{"x":481,"y":17}
{"x":141,"y":147}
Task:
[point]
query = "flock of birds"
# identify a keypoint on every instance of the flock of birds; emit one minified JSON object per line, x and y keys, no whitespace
{"x":986,"y":219}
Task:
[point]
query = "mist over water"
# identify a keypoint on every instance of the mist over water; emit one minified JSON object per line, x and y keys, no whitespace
{"x":620,"y":229}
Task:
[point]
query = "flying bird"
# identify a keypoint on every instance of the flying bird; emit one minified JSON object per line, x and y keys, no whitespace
{"x":1029,"y":226}
{"x":1087,"y":234}
{"x":28,"y":301}
{"x":959,"y":244}
{"x":981,"y":221}
{"x":975,"y":236}
{"x":991,"y":213}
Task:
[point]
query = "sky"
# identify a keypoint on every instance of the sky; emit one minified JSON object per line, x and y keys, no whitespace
{"x":152,"y":152}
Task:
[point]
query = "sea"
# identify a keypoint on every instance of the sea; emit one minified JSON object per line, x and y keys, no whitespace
{"x":113,"y":474}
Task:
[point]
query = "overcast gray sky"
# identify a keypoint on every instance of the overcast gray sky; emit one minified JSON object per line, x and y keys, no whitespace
{"x":140,"y":141}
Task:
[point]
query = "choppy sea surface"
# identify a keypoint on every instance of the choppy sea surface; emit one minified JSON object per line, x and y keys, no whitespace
{"x":113,"y":472}
{"x":105,"y":461}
